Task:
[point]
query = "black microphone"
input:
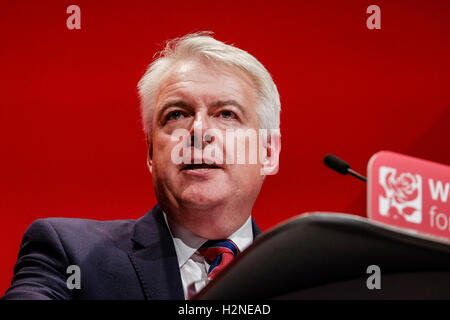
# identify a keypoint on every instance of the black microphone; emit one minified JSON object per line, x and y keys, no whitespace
{"x":339,"y":165}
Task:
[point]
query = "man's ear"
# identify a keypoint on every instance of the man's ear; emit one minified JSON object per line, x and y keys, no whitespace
{"x":149,"y":154}
{"x":270,"y":163}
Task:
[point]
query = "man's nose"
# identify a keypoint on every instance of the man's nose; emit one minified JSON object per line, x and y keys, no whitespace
{"x":198,"y":128}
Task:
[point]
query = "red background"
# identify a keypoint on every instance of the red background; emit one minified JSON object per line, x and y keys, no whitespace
{"x":71,"y":140}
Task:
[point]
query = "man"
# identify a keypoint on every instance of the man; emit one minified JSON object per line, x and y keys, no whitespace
{"x":207,"y":91}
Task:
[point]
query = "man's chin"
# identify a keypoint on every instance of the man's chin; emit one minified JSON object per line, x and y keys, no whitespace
{"x":203,"y":197}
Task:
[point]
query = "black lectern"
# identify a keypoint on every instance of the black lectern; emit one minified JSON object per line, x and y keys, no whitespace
{"x":326,"y":256}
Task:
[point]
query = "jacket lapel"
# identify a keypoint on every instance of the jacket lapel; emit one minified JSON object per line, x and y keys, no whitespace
{"x":154,"y":258}
{"x":256,"y":230}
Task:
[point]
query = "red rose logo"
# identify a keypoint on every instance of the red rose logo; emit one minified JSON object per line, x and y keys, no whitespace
{"x":401,"y":196}
{"x":404,"y":187}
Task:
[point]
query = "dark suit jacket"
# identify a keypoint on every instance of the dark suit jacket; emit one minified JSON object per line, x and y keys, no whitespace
{"x":122,"y":259}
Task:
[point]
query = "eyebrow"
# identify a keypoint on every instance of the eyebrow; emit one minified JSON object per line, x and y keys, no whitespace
{"x":178,"y":103}
{"x":221,"y":103}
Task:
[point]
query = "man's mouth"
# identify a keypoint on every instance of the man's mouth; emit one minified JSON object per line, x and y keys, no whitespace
{"x":200,"y":166}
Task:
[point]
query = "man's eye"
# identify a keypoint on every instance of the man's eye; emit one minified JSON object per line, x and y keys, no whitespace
{"x":175,"y":115}
{"x":227,"y":114}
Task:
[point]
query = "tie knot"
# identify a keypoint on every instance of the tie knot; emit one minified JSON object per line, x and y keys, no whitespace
{"x":218,"y":253}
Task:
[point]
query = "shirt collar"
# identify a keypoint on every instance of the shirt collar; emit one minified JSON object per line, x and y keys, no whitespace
{"x":187,"y":243}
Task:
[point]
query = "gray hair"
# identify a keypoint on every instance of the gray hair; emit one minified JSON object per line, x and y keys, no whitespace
{"x":203,"y":45}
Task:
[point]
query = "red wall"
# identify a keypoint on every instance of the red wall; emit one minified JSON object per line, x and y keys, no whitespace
{"x":71,"y":142}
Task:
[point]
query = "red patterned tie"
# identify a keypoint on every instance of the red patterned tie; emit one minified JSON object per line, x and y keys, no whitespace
{"x":218,"y":253}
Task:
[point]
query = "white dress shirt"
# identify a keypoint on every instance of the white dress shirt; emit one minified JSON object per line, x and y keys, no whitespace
{"x":193,"y":266}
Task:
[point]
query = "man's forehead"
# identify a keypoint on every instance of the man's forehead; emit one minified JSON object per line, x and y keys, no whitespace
{"x":193,"y":74}
{"x":185,"y":68}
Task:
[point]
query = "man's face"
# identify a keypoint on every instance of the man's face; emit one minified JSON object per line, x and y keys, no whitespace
{"x":194,"y":96}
